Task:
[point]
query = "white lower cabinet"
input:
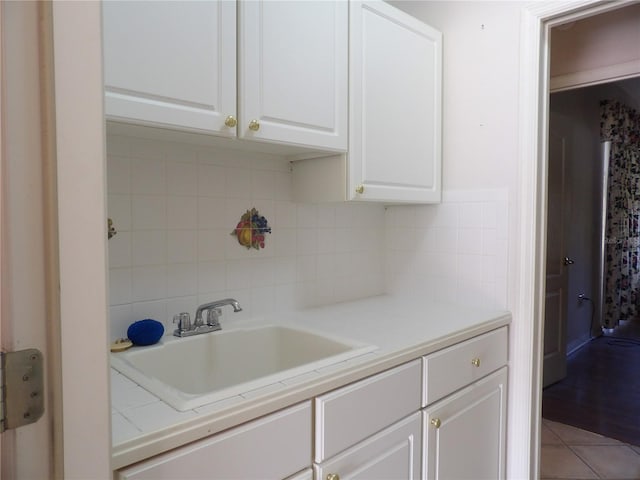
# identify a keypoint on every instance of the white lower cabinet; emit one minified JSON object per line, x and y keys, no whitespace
{"x":438,"y":417}
{"x":276,"y":446}
{"x":353,"y":413}
{"x":306,"y":474}
{"x":464,"y":434}
{"x":393,"y":453}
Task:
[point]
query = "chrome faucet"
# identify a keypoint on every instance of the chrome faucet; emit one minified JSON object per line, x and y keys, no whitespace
{"x":213,"y":310}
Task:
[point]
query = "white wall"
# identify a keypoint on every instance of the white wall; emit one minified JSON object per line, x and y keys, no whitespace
{"x":480,"y":89}
{"x":174,"y":207}
{"x":481,"y":81}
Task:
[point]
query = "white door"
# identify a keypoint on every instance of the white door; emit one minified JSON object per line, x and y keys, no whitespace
{"x":53,"y":233}
{"x":464,"y":434}
{"x":395,"y":98}
{"x":171,"y":63}
{"x":293,"y":72}
{"x":394,"y":453}
{"x":555,"y":322}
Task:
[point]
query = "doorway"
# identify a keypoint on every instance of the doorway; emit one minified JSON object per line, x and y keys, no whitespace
{"x":537,"y":22}
{"x":598,"y":390}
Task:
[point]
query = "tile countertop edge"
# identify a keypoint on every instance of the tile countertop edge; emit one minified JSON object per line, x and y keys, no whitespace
{"x":160,"y":441}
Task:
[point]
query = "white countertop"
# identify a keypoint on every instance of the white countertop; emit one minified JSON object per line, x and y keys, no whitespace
{"x":403,"y":329}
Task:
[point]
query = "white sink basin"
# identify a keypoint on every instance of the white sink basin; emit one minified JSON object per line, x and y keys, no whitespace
{"x":190,"y":372}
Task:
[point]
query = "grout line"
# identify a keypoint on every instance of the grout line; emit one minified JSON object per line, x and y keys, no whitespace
{"x":584,"y":460}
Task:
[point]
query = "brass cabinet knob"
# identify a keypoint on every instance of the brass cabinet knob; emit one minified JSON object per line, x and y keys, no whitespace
{"x":360,"y":189}
{"x":475,"y":362}
{"x":436,"y":422}
{"x":333,"y":476}
{"x":230,"y":121}
{"x":254,"y":125}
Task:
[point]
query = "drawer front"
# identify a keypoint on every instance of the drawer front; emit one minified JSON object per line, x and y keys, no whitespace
{"x":275,"y":446}
{"x":350,"y":414}
{"x":395,"y":453}
{"x":455,"y":367}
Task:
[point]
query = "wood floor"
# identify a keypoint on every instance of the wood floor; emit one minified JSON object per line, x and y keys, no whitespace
{"x":601,"y":392}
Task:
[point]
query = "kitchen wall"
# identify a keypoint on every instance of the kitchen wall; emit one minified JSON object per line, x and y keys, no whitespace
{"x":174,"y":207}
{"x":455,"y":251}
{"x":481,"y":146}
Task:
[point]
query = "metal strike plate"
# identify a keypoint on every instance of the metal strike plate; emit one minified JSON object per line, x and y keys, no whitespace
{"x":22,"y":388}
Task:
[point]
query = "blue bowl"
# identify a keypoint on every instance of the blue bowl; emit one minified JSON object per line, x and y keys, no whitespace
{"x":145,"y":332}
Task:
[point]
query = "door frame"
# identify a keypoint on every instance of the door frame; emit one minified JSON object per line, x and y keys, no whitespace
{"x":527,"y":339}
{"x":63,"y":211}
{"x":82,"y":238}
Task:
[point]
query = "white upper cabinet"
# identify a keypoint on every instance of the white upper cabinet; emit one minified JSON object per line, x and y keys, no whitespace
{"x":173,"y":64}
{"x":395,"y":83}
{"x":170,"y":63}
{"x":292,"y":82}
{"x":395,"y":95}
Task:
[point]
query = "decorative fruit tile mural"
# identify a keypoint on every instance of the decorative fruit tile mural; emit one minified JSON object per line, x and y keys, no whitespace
{"x":251,"y":229}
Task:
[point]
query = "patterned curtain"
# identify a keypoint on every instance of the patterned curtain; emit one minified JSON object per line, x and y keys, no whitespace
{"x":621,"y":125}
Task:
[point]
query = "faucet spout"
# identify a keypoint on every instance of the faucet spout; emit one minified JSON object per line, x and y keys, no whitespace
{"x":198,"y":326}
{"x":211,"y":306}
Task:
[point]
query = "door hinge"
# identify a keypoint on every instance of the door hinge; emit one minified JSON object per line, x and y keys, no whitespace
{"x":21,"y":388}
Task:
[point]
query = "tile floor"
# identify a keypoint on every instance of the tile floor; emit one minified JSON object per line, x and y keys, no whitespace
{"x":571,"y":453}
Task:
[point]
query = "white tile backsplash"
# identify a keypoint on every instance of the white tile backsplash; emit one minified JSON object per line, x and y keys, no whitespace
{"x":175,"y":206}
{"x":455,"y":250}
{"x":182,"y":213}
{"x":149,"y":283}
{"x":182,"y":247}
{"x":182,"y":179}
{"x":148,"y":212}
{"x":149,"y":247}
{"x":148,"y":177}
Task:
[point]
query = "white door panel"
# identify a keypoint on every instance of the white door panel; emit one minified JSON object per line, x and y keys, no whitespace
{"x":159,"y":72}
{"x":555,"y":357}
{"x":293,"y":72}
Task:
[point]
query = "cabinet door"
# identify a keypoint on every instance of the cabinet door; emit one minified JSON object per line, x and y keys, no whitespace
{"x":171,"y":63}
{"x":394,"y":453}
{"x":464,"y":434}
{"x":395,"y":106}
{"x":293,"y":72}
{"x":272,"y":447}
{"x":350,"y":414}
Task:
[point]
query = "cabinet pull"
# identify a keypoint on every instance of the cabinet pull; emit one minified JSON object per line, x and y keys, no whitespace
{"x":436,"y":422}
{"x":230,"y":121}
{"x":333,"y":476}
{"x":360,"y":189}
{"x":475,"y":362}
{"x":254,"y":125}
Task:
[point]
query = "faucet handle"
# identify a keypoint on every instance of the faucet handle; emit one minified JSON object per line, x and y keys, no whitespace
{"x":183,"y":320}
{"x":213,"y":316}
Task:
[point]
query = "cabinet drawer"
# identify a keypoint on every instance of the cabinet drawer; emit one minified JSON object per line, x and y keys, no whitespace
{"x":455,"y":367}
{"x":350,"y":414}
{"x":275,"y":446}
{"x":394,"y":453}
